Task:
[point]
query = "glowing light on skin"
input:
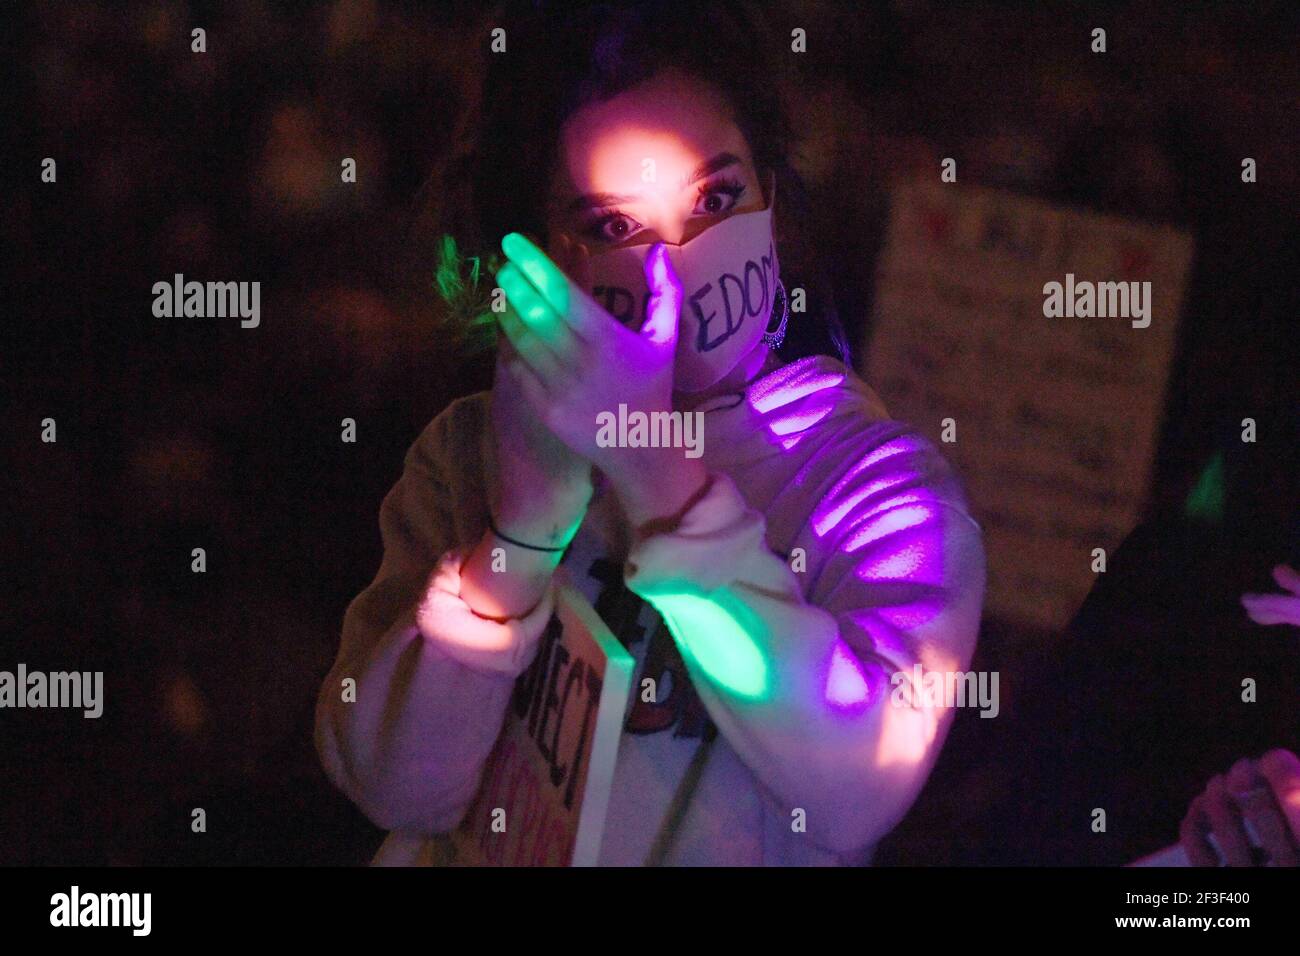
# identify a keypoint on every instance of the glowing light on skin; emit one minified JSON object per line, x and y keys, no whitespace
{"x":526,"y":302}
{"x":723,"y":637}
{"x":616,"y":165}
{"x":666,"y":281}
{"x":718,"y":639}
{"x":526,"y":260}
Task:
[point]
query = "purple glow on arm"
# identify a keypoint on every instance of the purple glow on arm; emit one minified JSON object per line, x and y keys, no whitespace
{"x":777,"y":391}
{"x":790,"y":404}
{"x":846,"y":686}
{"x":801,"y":420}
{"x":904,"y":544}
{"x":837,"y":509}
{"x":882,"y":516}
{"x":904,"y":564}
{"x":894,"y":521}
{"x":891,"y":460}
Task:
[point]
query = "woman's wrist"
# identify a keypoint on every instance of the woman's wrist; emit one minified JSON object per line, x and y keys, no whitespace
{"x":658,"y":485}
{"x":500,"y":581}
{"x":548,"y":524}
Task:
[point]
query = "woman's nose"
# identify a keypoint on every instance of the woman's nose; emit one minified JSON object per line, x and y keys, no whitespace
{"x":669,"y":224}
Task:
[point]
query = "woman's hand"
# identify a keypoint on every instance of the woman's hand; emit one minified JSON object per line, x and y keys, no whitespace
{"x":577,"y":361}
{"x":1264,"y":793}
{"x":539,"y":494}
{"x":1277,"y":608}
{"x":542,"y":487}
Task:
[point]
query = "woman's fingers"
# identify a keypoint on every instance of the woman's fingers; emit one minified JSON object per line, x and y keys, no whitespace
{"x":569,"y":303}
{"x":1260,"y":813}
{"x":527,"y":347}
{"x":1287,"y":578}
{"x":540,"y":317}
{"x":1226,"y":823}
{"x":530,"y":385}
{"x":1259,"y":798}
{"x":1194,"y":835}
{"x":1260,"y":810}
{"x":1271,"y":609}
{"x":1281,"y":769}
{"x":664,"y":312}
{"x":530,"y":305}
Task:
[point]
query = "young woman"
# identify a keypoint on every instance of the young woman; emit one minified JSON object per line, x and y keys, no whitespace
{"x":781,"y":581}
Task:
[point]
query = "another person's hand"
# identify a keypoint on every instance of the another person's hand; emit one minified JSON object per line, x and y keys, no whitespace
{"x":1263,"y":793}
{"x":1277,"y":608}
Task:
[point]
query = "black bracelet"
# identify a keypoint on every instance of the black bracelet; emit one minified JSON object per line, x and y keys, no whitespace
{"x":520,"y":544}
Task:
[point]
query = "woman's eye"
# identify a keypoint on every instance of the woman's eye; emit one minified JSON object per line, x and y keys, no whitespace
{"x":718,"y":198}
{"x":613,"y":228}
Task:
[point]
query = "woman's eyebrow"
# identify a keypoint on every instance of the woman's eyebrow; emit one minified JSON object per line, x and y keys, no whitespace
{"x":711,"y":166}
{"x":706,"y":168}
{"x":599,"y":199}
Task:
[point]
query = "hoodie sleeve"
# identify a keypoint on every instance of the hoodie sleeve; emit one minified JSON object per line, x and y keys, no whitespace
{"x":810,"y":690}
{"x":416,"y":698}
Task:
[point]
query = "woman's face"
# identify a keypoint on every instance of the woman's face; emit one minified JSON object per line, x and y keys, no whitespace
{"x":663,"y":161}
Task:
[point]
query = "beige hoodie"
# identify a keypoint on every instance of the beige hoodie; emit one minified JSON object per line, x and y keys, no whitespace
{"x":836,"y":546}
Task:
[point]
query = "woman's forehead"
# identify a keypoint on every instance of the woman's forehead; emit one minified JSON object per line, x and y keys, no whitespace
{"x":653,"y":137}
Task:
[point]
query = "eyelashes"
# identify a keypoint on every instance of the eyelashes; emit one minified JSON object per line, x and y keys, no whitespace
{"x":731,"y":188}
{"x":603,"y":227}
{"x":613,"y":227}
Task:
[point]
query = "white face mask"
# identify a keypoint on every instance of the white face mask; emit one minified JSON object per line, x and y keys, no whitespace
{"x":729,"y":276}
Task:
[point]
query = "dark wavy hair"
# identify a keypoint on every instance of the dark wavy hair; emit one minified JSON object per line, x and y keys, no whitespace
{"x":562,"y":55}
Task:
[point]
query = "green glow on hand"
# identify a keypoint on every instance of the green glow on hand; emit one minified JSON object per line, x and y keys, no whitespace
{"x":548,"y":278}
{"x":718,"y":640}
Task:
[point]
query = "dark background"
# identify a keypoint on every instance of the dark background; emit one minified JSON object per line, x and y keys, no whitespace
{"x":176,"y":433}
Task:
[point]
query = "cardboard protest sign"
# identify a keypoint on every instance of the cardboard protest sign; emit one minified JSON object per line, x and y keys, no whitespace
{"x":546,"y":785}
{"x":1050,"y":397}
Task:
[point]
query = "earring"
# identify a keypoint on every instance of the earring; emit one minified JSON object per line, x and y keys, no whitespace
{"x":774,"y":339}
